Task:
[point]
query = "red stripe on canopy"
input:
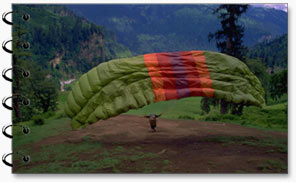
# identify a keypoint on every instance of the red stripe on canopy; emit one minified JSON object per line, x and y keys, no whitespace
{"x":179,"y":74}
{"x":168,"y":76}
{"x":156,"y":78}
{"x":204,"y":74}
{"x":192,"y":73}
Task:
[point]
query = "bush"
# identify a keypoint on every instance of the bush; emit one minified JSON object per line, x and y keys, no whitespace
{"x":186,"y":117}
{"x":228,"y":117}
{"x":211,"y":117}
{"x":38,"y":120}
{"x":59,"y":115}
{"x":48,"y":114}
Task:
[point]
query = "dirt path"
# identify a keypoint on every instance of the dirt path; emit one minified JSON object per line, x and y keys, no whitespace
{"x":127,"y":128}
{"x":190,"y":146}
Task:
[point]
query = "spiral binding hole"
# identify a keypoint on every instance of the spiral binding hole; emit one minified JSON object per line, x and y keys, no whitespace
{"x":26,"y":17}
{"x":25,"y":130}
{"x":26,"y":45}
{"x":25,"y":158}
{"x":24,"y":101}
{"x":25,"y":73}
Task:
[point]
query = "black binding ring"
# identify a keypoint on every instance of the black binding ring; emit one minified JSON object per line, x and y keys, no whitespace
{"x":4,"y":75}
{"x":26,"y":130}
{"x":5,"y":105}
{"x":25,"y":73}
{"x":4,"y":46}
{"x":25,"y":46}
{"x":4,"y":160}
{"x":4,"y":18}
{"x":25,"y":158}
{"x":25,"y":17}
{"x":25,"y":101}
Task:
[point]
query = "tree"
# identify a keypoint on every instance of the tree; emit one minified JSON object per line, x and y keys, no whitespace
{"x":279,"y":84}
{"x":18,"y":54}
{"x":229,"y":38}
{"x":43,"y":89}
{"x":259,"y":69}
{"x":207,"y":102}
{"x":39,"y":88}
{"x":229,"y":41}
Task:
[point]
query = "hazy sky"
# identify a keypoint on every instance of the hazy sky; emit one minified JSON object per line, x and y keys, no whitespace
{"x":283,"y":7}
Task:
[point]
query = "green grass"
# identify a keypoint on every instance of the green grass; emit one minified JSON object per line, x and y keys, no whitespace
{"x":282,"y":99}
{"x":62,"y":99}
{"x":66,"y":157}
{"x":276,"y":144}
{"x":55,"y":123}
{"x":51,"y":127}
{"x":87,"y":156}
{"x":172,"y":109}
{"x":271,"y":117}
{"x":90,"y":156}
{"x":271,"y":165}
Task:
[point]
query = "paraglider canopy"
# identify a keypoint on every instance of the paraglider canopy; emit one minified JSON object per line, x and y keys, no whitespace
{"x":119,"y":85}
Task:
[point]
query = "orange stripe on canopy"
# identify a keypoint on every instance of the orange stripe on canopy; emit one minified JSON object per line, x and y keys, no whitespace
{"x":179,"y":74}
{"x":204,"y":74}
{"x":168,"y":76}
{"x":156,"y":78}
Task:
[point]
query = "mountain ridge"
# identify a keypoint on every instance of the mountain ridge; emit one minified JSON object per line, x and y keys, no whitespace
{"x":165,"y":28}
{"x":272,"y":53}
{"x":64,"y":44}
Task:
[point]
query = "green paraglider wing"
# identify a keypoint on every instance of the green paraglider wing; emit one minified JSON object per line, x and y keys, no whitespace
{"x":119,"y":85}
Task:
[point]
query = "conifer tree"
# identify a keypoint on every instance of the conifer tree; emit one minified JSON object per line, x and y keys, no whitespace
{"x":229,"y":41}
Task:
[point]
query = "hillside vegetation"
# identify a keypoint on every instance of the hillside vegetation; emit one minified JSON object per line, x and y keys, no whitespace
{"x":164,"y":28}
{"x":273,"y":53}
{"x":64,"y":44}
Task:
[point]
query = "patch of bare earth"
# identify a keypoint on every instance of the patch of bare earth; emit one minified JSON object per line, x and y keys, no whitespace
{"x":183,"y":143}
